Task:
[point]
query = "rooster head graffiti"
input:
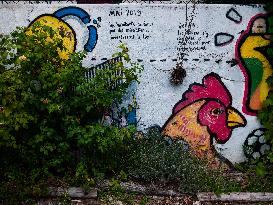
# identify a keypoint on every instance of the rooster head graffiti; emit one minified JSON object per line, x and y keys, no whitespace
{"x":254,"y":49}
{"x":205,"y":112}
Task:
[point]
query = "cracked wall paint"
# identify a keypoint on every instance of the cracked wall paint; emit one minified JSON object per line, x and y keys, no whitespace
{"x":202,"y":38}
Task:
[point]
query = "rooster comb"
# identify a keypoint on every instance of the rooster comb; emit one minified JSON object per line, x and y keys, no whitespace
{"x":211,"y":88}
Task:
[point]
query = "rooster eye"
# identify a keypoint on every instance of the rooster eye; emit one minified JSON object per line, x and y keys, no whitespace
{"x":216,"y":111}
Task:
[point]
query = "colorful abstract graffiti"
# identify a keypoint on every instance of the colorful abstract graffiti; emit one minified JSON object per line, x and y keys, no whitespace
{"x":236,"y":51}
{"x":56,"y":21}
{"x":204,"y":113}
{"x":117,"y":116}
{"x":252,"y":50}
{"x":121,"y":116}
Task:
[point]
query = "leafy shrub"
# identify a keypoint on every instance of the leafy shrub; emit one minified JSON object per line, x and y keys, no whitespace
{"x":50,"y":116}
{"x":255,"y":182}
{"x":153,"y":158}
{"x":264,"y":164}
{"x":265,"y":116}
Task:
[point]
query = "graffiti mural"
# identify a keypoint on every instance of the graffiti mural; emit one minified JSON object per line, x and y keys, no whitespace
{"x":204,"y":40}
{"x":252,"y":51}
{"x":122,"y":115}
{"x":204,"y":113}
{"x":56,"y":21}
{"x":233,"y":15}
{"x":221,"y":39}
{"x":117,"y":115}
{"x":255,"y":144}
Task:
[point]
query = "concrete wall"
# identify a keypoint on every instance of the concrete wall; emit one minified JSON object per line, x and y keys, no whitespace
{"x":215,"y":44}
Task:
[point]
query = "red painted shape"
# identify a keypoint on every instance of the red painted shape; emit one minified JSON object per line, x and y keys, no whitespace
{"x":217,"y":124}
{"x":212,"y":88}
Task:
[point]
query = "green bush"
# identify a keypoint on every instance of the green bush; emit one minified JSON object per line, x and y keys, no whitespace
{"x":264,"y":164}
{"x":255,"y":182}
{"x":50,"y":115}
{"x":265,"y":115}
{"x":154,"y":159}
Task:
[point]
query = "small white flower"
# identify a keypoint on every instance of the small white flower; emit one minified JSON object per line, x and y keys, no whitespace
{"x":22,"y":58}
{"x":60,"y":90}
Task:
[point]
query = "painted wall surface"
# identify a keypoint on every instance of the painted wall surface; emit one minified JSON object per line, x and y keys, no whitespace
{"x":221,"y":47}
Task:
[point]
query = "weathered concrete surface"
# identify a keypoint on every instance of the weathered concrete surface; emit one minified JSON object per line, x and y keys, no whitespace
{"x":237,"y":197}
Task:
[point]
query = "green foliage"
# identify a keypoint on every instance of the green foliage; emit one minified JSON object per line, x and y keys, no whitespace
{"x":117,"y":193}
{"x":50,"y":116}
{"x":255,"y":180}
{"x":20,"y":189}
{"x":264,"y":164}
{"x":64,"y":199}
{"x":269,"y":7}
{"x":111,"y":198}
{"x":265,"y":115}
{"x":144,"y":200}
{"x":152,"y":159}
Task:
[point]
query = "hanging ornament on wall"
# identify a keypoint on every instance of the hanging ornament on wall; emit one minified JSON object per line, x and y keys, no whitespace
{"x":178,"y":73}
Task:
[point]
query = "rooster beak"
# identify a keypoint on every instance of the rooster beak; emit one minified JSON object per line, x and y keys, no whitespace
{"x":235,"y":118}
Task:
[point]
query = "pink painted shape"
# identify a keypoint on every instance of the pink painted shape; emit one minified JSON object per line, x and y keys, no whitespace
{"x":217,"y":124}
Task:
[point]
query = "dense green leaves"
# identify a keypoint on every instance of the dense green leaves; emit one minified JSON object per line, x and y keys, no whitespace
{"x":153,"y":158}
{"x":265,"y":116}
{"x":50,"y":115}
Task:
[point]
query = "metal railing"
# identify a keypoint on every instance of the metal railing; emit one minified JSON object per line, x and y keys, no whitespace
{"x":91,"y":72}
